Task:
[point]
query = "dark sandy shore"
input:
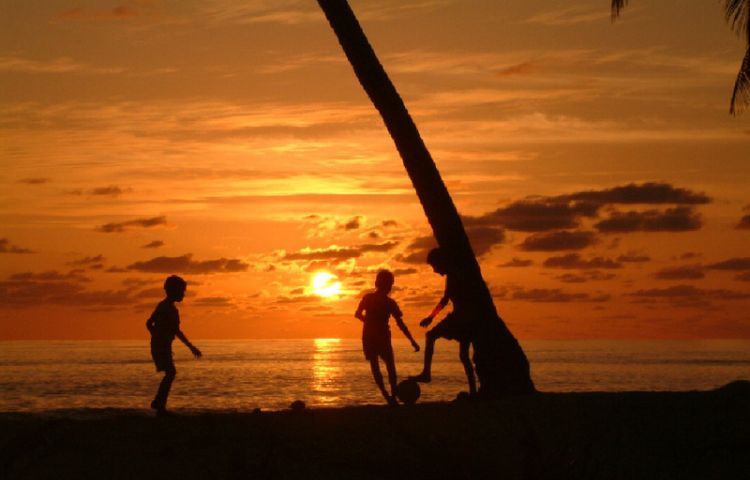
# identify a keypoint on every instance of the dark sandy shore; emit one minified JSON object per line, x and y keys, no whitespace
{"x":634,"y":435}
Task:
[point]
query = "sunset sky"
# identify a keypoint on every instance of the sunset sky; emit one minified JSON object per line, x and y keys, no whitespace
{"x":603,"y":182}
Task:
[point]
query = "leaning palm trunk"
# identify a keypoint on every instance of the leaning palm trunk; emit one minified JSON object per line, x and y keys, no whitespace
{"x":500,"y":362}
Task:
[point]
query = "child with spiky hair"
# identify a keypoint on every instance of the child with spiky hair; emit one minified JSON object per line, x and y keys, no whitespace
{"x":164,"y":325}
{"x":374,"y":310}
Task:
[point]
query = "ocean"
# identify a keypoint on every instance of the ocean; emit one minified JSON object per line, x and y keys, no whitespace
{"x":246,"y":374}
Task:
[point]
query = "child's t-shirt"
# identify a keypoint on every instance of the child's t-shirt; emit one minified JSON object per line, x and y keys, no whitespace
{"x":166,"y":319}
{"x":378,"y":309}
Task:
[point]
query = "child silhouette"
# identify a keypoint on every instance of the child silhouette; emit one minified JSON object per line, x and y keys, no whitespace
{"x":164,"y":325}
{"x":374,"y":310}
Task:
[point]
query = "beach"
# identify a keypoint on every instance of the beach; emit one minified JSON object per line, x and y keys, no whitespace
{"x":697,"y":434}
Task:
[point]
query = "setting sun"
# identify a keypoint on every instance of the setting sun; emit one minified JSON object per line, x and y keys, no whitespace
{"x":325,"y":284}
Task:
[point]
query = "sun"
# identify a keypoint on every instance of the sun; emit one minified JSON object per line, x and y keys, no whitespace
{"x":325,"y":284}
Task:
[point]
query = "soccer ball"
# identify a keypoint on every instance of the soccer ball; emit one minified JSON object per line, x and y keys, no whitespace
{"x":408,"y":391}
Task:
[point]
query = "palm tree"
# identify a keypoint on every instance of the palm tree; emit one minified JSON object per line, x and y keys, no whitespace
{"x":500,"y":362}
{"x":737,"y":13}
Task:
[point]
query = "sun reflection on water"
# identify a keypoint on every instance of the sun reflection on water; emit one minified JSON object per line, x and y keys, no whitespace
{"x":326,"y":371}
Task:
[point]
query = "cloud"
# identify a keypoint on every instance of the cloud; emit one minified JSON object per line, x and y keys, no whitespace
{"x":678,"y":219}
{"x":54,"y":288}
{"x":743,"y":277}
{"x":646,"y":193}
{"x":555,"y":241}
{"x":7,"y":247}
{"x":50,"y":276}
{"x":585,"y":276}
{"x":516,"y":262}
{"x":542,"y":214}
{"x":570,"y":16}
{"x":690,"y":293}
{"x":185,"y":264}
{"x":339,"y":253}
{"x":404,"y":271}
{"x":484,"y":238}
{"x":138,"y":222}
{"x":633,"y":258}
{"x":34,"y":180}
{"x":286,"y":12}
{"x":154,"y":244}
{"x":112,"y":190}
{"x":744,"y":223}
{"x":119,"y":12}
{"x":94,"y":262}
{"x":416,"y":252}
{"x":214,"y":302}
{"x":684,"y":272}
{"x":517,"y":69}
{"x":10,"y":63}
{"x":535,"y":215}
{"x":352,"y":224}
{"x":574,"y":260}
{"x":555,"y":295}
{"x":151,"y":293}
{"x":736,"y":264}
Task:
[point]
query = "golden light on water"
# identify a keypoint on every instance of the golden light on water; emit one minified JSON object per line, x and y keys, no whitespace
{"x":326,"y":370}
{"x":325,"y":284}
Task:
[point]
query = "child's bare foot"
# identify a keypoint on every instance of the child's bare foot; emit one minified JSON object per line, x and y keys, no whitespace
{"x":161,"y":410}
{"x":423,"y":377}
{"x":392,"y":402}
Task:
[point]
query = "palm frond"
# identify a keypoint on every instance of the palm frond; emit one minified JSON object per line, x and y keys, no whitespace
{"x":737,"y":13}
{"x":618,"y":5}
{"x":741,"y":93}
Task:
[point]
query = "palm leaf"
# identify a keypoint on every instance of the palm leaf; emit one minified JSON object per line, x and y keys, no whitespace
{"x":741,"y":92}
{"x":617,"y":5}
{"x":737,"y":13}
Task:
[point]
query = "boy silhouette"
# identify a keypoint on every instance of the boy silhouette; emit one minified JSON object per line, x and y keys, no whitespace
{"x":164,"y":325}
{"x":453,"y":327}
{"x":378,"y":307}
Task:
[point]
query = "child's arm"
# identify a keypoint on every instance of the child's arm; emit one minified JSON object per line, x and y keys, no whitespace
{"x":405,"y":329}
{"x":193,"y":349}
{"x":441,"y":305}
{"x":150,"y":324}
{"x":359,"y":311}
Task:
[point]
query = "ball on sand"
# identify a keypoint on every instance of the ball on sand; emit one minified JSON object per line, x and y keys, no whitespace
{"x":408,"y":391}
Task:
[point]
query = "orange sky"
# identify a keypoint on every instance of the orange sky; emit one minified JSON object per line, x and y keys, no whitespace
{"x":604,"y":184}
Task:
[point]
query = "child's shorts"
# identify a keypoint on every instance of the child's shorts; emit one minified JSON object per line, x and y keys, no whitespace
{"x":453,"y":327}
{"x":162,"y":358}
{"x":378,"y":345}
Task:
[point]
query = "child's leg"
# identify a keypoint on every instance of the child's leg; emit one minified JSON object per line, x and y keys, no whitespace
{"x":390,"y":365}
{"x":429,"y":349}
{"x":468,"y":367}
{"x":160,"y":400}
{"x":375,"y":367}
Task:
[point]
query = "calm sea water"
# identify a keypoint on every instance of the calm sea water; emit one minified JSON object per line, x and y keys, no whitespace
{"x":244,"y":374}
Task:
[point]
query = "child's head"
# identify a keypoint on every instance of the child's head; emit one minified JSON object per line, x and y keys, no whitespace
{"x":175,"y":287}
{"x":384,"y":281}
{"x":438,"y":260}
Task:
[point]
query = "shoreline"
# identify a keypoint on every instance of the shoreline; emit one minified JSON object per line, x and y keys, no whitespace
{"x":696,"y":434}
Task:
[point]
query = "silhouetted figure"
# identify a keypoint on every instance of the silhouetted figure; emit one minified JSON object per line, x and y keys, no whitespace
{"x":375,"y":309}
{"x":453,"y":327}
{"x":164,"y":325}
